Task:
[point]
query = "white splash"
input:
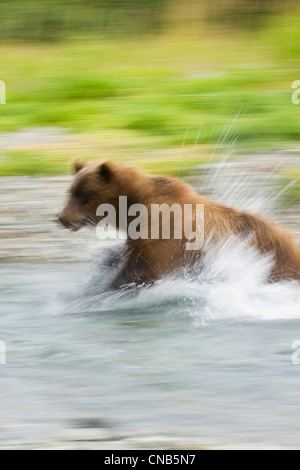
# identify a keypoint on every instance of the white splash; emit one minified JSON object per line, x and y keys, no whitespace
{"x":230,"y":285}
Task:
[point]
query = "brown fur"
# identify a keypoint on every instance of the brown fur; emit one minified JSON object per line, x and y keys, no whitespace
{"x":145,"y":261}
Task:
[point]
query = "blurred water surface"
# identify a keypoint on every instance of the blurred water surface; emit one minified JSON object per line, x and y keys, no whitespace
{"x":183,"y":365}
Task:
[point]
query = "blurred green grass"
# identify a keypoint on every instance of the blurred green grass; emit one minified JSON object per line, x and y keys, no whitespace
{"x":50,"y":162}
{"x":227,"y":90}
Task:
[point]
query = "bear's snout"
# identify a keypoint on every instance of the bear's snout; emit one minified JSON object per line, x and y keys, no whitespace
{"x":63,"y":221}
{"x":71,"y":224}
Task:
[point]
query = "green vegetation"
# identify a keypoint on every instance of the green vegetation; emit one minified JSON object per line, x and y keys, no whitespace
{"x":53,"y":20}
{"x":55,"y":160}
{"x":150,"y":93}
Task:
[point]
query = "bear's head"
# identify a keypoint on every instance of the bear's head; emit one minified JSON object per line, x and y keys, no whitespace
{"x":100,"y":183}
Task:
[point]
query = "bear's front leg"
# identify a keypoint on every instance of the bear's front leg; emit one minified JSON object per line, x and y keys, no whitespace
{"x":147,"y":261}
{"x":134,"y":271}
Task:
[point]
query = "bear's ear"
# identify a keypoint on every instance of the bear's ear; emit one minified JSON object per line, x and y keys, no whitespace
{"x":78,"y":164}
{"x":105,"y":171}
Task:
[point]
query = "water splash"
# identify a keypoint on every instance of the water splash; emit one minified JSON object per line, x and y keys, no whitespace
{"x":230,"y":285}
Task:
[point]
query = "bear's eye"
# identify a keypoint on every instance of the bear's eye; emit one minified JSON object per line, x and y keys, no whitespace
{"x":84,"y":197}
{"x":87,"y":198}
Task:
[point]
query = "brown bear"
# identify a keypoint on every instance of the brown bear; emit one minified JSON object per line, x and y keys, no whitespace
{"x":147,"y":258}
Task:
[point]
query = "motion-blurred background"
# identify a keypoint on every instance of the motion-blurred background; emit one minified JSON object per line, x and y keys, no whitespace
{"x":145,"y":80}
{"x":172,"y":86}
